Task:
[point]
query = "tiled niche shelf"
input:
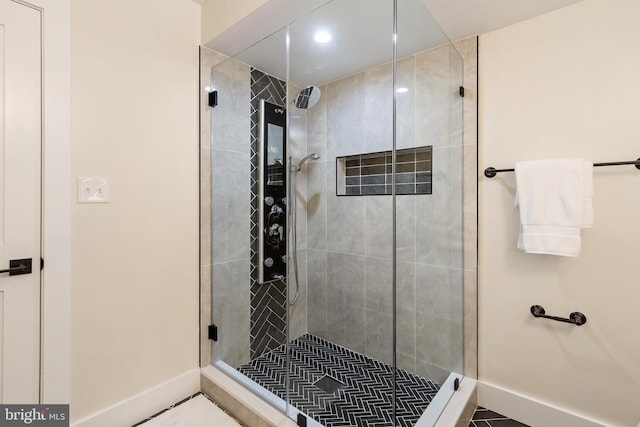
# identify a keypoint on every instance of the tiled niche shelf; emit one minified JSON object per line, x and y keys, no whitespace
{"x":371,"y":174}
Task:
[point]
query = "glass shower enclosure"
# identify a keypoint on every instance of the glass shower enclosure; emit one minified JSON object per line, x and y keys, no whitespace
{"x":337,"y":216}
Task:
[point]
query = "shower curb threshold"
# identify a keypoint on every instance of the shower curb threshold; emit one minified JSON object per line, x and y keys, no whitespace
{"x":255,"y":406}
{"x":239,"y":401}
{"x":461,"y":406}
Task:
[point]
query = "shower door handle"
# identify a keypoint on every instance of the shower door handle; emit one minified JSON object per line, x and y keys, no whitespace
{"x":18,"y":267}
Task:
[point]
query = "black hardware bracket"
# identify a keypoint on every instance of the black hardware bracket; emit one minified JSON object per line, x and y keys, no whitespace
{"x":575,"y":318}
{"x":456,"y":384}
{"x":301,"y":420}
{"x":462,"y":91}
{"x":213,"y":98}
{"x":212,"y":332}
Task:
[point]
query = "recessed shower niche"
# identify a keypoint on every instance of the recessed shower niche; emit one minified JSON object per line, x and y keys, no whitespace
{"x":366,"y":294}
{"x":372,"y":174}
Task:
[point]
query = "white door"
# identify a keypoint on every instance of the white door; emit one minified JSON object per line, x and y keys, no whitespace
{"x":20,"y":171}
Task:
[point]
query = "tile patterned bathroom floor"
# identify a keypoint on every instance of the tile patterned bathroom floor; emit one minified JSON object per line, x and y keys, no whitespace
{"x":487,"y":418}
{"x":339,"y":387}
{"x":195,"y":411}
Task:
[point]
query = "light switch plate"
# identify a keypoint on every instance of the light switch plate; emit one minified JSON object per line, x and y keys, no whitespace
{"x":93,"y":190}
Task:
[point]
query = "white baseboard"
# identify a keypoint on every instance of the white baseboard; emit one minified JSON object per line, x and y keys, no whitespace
{"x":528,"y":410}
{"x":146,"y":403}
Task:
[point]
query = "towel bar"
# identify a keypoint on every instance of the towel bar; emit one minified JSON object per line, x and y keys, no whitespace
{"x":575,"y":318}
{"x":490,"y":172}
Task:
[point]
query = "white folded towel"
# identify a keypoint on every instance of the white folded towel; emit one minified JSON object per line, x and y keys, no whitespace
{"x":555,"y":197}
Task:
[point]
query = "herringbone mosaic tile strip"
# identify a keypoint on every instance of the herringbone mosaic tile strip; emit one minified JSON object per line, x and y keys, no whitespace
{"x":364,"y":400}
{"x":268,"y":302}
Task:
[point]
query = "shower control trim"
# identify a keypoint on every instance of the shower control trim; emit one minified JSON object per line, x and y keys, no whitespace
{"x":272,"y":184}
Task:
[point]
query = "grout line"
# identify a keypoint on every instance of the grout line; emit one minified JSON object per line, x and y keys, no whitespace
{"x":167,"y":409}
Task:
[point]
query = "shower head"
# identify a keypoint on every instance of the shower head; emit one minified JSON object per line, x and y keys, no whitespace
{"x":298,"y":166}
{"x":307,"y":97}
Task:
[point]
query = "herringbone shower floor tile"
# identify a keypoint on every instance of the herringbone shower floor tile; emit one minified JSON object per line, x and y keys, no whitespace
{"x":365,"y":399}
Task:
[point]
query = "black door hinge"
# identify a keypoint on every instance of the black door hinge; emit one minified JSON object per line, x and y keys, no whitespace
{"x":456,"y":384}
{"x":302,"y":420}
{"x":213,"y":332}
{"x":213,"y":98}
{"x":462,"y":91}
{"x":41,"y":263}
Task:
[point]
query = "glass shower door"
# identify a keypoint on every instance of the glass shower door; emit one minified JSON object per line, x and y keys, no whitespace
{"x":249,"y":211}
{"x":429,"y":267}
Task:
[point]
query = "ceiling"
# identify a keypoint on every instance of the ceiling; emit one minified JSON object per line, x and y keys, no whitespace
{"x":362,"y":32}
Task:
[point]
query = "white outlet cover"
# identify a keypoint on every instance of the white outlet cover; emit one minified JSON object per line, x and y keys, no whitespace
{"x":93,"y":190}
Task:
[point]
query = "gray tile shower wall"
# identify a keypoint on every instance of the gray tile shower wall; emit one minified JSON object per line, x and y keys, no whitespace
{"x":349,"y":238}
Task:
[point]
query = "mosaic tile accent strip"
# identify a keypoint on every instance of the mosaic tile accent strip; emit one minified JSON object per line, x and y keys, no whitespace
{"x":268,"y":307}
{"x":267,"y":324}
{"x":363,"y":396}
{"x":372,"y":174}
{"x":487,"y":418}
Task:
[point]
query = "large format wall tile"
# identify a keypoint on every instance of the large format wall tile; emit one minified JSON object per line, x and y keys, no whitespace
{"x":406,"y":310}
{"x":378,"y":109}
{"x":405,"y":105}
{"x":379,"y":284}
{"x":432,"y":97}
{"x":317,"y":292}
{"x":346,"y":300}
{"x":379,"y":335}
{"x":297,"y":313}
{"x":379,"y":226}
{"x":379,"y":309}
{"x":231,"y":117}
{"x":317,"y":205}
{"x":437,"y":290}
{"x":230,"y":201}
{"x":205,"y":206}
{"x":231,"y":311}
{"x":317,"y":126}
{"x":345,"y":219}
{"x":345,"y":117}
{"x":439,"y":225}
{"x":406,"y":217}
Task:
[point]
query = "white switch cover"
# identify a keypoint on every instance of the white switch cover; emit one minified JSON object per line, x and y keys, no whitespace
{"x":93,"y":190}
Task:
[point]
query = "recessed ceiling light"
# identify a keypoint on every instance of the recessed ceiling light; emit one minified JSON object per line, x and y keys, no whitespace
{"x":402,"y":90}
{"x":322,"y":37}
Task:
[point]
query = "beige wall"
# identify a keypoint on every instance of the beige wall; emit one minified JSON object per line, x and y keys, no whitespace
{"x":219,"y":15}
{"x":135,"y":260}
{"x":563,"y":84}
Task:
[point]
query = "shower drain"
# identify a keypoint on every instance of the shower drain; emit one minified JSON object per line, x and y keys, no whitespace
{"x":328,"y":384}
